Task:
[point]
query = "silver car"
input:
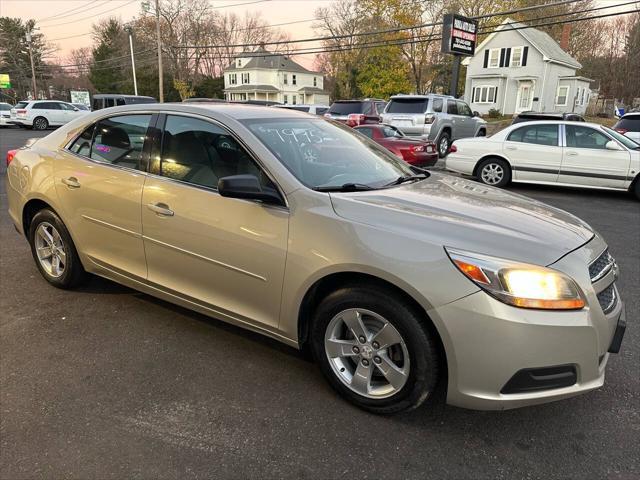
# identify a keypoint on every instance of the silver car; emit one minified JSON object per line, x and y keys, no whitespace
{"x":399,"y":282}
{"x":439,"y":118}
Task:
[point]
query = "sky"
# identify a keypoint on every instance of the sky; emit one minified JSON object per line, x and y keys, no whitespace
{"x":73,"y":18}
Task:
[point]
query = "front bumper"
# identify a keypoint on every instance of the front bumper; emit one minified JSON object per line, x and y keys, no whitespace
{"x":489,"y":343}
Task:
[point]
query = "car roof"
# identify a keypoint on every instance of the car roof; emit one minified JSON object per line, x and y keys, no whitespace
{"x":426,"y":95}
{"x":631,"y":114}
{"x":557,"y":122}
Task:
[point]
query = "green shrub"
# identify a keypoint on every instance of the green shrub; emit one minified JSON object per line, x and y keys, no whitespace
{"x":494,"y":113}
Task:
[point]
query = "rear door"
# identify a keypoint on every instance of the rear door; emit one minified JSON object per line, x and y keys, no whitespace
{"x":465,"y":124}
{"x":99,"y":184}
{"x":534,"y":152}
{"x":587,"y":161}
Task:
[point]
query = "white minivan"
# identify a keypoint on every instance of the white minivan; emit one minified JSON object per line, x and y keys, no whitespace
{"x":42,"y":114}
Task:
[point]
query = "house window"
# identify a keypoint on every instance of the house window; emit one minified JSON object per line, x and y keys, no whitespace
{"x":484,"y":94}
{"x":315,"y":81}
{"x":293,"y":80}
{"x":561,"y":96}
{"x":494,"y":58}
{"x":286,"y":79}
{"x":516,"y":56}
{"x":286,"y":99}
{"x":245,"y":78}
{"x":239,"y":63}
{"x":294,"y":99}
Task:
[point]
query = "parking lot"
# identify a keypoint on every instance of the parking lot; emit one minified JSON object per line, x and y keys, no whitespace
{"x":105,"y":382}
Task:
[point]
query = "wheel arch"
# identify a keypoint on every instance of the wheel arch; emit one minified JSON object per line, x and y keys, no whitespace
{"x":30,"y":209}
{"x":487,"y":157}
{"x":334,"y":281}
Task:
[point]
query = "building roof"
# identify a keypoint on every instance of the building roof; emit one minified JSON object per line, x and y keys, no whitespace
{"x":540,"y":40}
{"x":262,"y":58}
{"x":252,"y":88}
{"x":312,"y":90}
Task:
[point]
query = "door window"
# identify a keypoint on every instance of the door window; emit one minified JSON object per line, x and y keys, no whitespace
{"x":463,"y":109}
{"x":119,"y":140}
{"x":536,"y":134}
{"x":108,"y":102}
{"x":201,"y":153}
{"x":66,"y":106}
{"x":120,"y":101}
{"x":585,"y":137}
{"x":452,"y":107}
{"x":82,"y":144}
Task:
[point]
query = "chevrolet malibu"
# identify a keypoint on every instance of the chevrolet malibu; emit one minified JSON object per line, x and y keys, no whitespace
{"x":397,"y":281}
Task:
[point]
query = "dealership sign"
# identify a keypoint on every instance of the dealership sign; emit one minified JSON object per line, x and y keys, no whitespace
{"x":459,"y":35}
{"x":5,"y":81}
{"x":80,"y":96}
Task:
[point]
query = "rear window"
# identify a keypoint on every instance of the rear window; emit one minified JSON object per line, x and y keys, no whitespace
{"x":21,"y":104}
{"x":321,"y":110}
{"x":408,"y":105}
{"x":346,"y":108}
{"x":630,"y":123}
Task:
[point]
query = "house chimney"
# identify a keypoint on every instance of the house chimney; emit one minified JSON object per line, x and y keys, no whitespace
{"x":566,"y":36}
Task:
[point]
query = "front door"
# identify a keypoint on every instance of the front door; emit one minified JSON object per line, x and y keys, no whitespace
{"x":524,"y":99}
{"x":226,"y":254}
{"x":99,"y":186}
{"x":587,"y":161}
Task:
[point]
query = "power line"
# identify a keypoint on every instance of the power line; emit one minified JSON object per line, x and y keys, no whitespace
{"x":91,"y":16}
{"x":66,"y":11}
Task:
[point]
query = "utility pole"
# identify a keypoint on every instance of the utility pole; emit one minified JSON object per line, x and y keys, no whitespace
{"x":33,"y":70}
{"x":159,"y":39}
{"x":133,"y":62}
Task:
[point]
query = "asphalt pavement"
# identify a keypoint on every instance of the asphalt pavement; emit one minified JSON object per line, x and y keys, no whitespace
{"x":104,"y":382}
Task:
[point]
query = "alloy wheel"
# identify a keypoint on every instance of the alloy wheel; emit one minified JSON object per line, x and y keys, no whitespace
{"x":367,"y":353}
{"x":444,"y":146}
{"x":492,"y":173}
{"x":51,"y":250}
{"x":40,"y":124}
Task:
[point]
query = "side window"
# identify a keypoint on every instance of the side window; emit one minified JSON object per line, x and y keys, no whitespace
{"x":66,"y":106}
{"x":367,"y":132}
{"x":82,"y":144}
{"x":436,"y":105}
{"x":108,"y":102}
{"x":452,"y":107}
{"x":536,"y":134}
{"x":120,"y":101}
{"x":119,"y":140}
{"x":97,"y":103}
{"x":38,"y":106}
{"x":201,"y":153}
{"x":463,"y":109}
{"x":585,"y":137}
{"x":380,"y":107}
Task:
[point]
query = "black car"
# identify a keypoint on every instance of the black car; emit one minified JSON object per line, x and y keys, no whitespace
{"x":533,"y":116}
{"x":629,"y":125}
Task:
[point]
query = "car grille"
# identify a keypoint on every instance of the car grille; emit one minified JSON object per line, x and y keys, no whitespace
{"x":601,"y":266}
{"x":607,"y":298}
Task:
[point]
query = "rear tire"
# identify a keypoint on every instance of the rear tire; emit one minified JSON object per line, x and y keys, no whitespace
{"x":54,"y":252}
{"x":40,"y":123}
{"x":444,"y":143}
{"x":384,"y":380}
{"x":494,"y":172}
{"x":636,"y":189}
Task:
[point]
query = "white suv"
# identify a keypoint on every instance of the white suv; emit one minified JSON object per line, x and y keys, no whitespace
{"x":42,"y":114}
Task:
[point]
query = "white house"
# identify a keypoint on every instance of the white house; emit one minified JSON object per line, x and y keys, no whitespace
{"x":518,"y":69}
{"x":262,"y":75}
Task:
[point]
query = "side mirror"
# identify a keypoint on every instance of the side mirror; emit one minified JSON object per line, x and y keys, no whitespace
{"x":611,"y":145}
{"x":476,"y":114}
{"x":247,"y":187}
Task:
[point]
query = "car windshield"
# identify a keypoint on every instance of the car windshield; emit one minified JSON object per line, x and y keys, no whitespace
{"x":346,"y":108}
{"x":623,"y":139}
{"x":322,"y":154}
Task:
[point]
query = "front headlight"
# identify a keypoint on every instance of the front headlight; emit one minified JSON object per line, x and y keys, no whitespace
{"x":519,"y":284}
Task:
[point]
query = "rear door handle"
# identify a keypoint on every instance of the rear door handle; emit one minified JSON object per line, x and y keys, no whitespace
{"x":572,"y":154}
{"x":161,"y":209}
{"x":71,"y":182}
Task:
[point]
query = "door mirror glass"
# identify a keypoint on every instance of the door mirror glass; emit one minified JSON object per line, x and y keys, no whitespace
{"x":247,"y":187}
{"x":611,"y":145}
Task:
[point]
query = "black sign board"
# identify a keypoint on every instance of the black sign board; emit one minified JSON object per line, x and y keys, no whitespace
{"x":459,"y":35}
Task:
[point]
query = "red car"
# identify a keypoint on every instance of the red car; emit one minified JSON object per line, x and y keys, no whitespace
{"x":421,"y":153}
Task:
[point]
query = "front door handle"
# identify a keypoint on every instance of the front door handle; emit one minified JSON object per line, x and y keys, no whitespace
{"x":161,"y":209}
{"x":71,"y":182}
{"x":511,"y":147}
{"x":572,"y":154}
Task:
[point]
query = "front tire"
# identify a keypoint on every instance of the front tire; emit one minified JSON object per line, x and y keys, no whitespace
{"x":53,"y":251}
{"x":40,"y":123}
{"x":374,"y":349}
{"x":494,"y":172}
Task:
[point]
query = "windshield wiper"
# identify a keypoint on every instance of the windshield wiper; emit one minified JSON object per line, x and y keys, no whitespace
{"x":407,"y":178}
{"x":346,"y":187}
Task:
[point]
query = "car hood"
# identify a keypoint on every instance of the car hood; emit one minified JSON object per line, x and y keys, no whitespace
{"x":453,"y":212}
